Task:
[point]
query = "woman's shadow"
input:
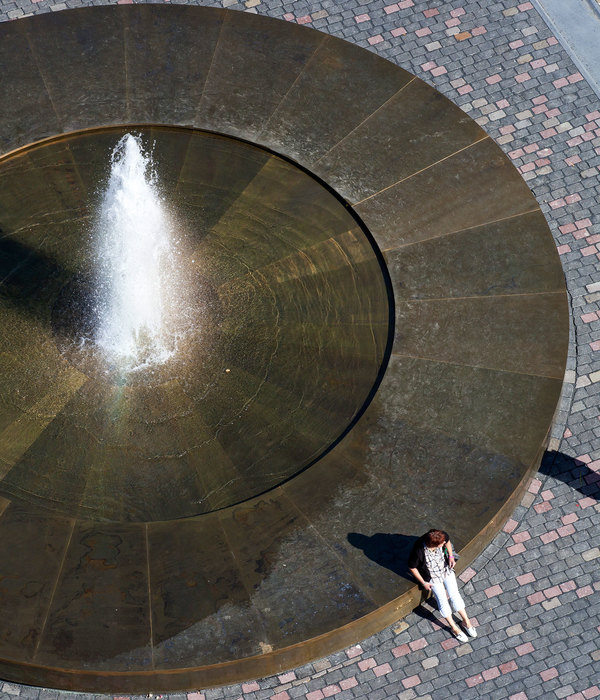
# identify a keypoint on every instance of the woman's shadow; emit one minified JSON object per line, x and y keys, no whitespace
{"x":388,"y":550}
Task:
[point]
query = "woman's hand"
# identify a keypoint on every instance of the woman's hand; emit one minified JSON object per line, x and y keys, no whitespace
{"x":427,"y":585}
{"x":451,"y":561}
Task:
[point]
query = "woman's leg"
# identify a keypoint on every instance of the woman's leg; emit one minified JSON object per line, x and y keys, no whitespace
{"x":439,"y":591}
{"x":458,"y":604}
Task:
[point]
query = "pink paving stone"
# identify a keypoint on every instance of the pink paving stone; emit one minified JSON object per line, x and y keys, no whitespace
{"x":590,"y":501}
{"x":449,"y":644}
{"x":431,"y":13}
{"x":547,"y":495}
{"x":474,"y":680}
{"x":592,"y":692}
{"x":535,"y":484}
{"x":593,"y":115}
{"x":589,"y":250}
{"x":516,"y":153}
{"x":491,"y":673}
{"x":331,"y":690}
{"x":568,"y":586}
{"x":307,"y":19}
{"x":567,"y":228}
{"x":467,"y":574}
{"x":362,"y":18}
{"x":548,"y":537}
{"x":423,"y":32}
{"x":552,"y":40}
{"x":528,"y":167}
{"x":382,"y":670}
{"x":493,"y":591}
{"x":552,"y":592}
{"x":458,"y":12}
{"x":348,"y":683}
{"x":502,"y":104}
{"x":354,"y":651}
{"x":515,"y":549}
{"x":287,"y":677}
{"x":493,"y":79}
{"x":572,"y":198}
{"x":418,"y":644}
{"x":405,"y":4}
{"x":567,"y":434}
{"x":518,"y":696}
{"x":315,"y":695}
{"x":196,"y":696}
{"x":570,"y":517}
{"x":388,"y":9}
{"x":508,"y":667}
{"x":521,"y":536}
{"x":538,"y":63}
{"x":523,"y":649}
{"x":575,"y":78}
{"x":525,"y":578}
{"x":536,"y":597}
{"x":561,"y":82}
{"x":399,"y":31}
{"x":530,"y":148}
{"x":440,"y":70}
{"x":402,"y":650}
{"x":557,"y":203}
{"x":478,"y":30}
{"x":574,"y":142}
{"x":592,"y":478}
{"x":588,"y":318}
{"x":542,"y":161}
{"x":452,"y":22}
{"x":510,"y":526}
{"x":565,"y":530}
{"x":563,"y":249}
{"x":538,"y":109}
{"x":465,"y":89}
{"x":548,"y":674}
{"x":366,"y":664}
{"x":542,"y":507}
{"x":584,"y":591}
{"x":582,"y":234}
{"x":547,"y":133}
{"x":429,"y":65}
{"x":583,"y":223}
{"x":525,"y":6}
{"x":377,"y":39}
{"x":284,"y":695}
{"x":411,"y":681}
{"x":516,"y":44}
{"x":288,"y":16}
{"x":539,"y":100}
{"x":250,"y":687}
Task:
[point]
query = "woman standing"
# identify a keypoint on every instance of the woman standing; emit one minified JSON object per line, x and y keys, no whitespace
{"x":431,"y":562}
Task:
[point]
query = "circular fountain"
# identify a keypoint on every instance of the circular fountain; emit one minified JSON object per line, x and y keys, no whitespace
{"x":348,"y":323}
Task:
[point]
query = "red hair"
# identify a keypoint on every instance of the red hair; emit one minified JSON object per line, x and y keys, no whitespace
{"x":434,"y":538}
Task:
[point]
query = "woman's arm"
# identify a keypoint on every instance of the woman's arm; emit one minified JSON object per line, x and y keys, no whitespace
{"x":451,"y":559}
{"x":427,"y":585}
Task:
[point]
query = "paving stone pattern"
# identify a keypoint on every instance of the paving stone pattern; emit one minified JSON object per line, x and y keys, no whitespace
{"x":534,"y":592}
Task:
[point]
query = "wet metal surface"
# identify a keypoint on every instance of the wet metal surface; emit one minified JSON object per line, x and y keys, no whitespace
{"x":236,"y":561}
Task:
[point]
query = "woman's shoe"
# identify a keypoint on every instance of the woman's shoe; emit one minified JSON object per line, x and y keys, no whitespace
{"x":472,"y":632}
{"x":461,"y":636}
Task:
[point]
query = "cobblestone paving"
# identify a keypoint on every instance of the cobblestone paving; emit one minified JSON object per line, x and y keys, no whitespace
{"x":534,"y":592}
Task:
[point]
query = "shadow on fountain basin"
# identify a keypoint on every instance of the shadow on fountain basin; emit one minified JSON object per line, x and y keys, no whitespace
{"x":389,"y":550}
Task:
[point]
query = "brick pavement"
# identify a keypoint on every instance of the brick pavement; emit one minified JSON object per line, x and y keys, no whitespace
{"x":534,"y":592}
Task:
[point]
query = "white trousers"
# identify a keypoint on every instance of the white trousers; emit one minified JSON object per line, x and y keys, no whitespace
{"x":447,"y":589}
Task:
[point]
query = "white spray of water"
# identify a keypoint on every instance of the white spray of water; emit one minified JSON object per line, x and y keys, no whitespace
{"x":133,"y":251}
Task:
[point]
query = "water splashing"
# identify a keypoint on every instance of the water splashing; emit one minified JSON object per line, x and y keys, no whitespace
{"x":135,"y":272}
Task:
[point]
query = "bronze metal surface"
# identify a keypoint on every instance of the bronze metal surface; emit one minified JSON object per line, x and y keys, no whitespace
{"x":312,"y":180}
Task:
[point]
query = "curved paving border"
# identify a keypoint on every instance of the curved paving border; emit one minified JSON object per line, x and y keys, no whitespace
{"x":519,"y":663}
